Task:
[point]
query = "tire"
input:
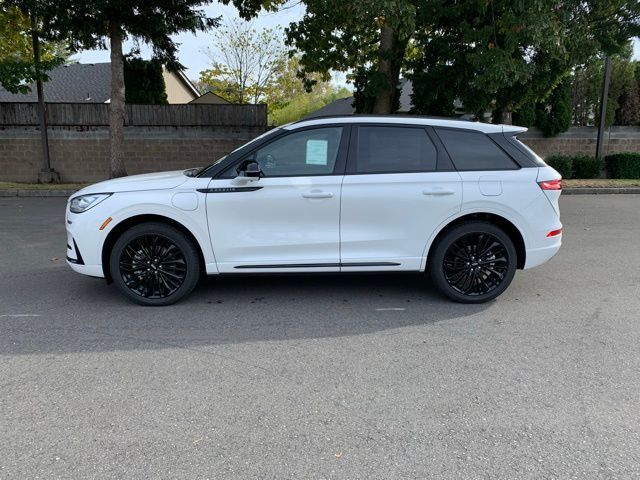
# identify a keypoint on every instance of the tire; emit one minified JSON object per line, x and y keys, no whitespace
{"x":154,"y":264}
{"x":459,"y":273}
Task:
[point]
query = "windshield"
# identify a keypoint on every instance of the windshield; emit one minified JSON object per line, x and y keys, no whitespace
{"x":221,"y":159}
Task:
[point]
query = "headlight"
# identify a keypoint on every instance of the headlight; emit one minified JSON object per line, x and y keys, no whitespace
{"x":85,"y":202}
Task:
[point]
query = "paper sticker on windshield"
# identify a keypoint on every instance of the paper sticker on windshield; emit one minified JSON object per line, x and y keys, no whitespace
{"x":317,"y":152}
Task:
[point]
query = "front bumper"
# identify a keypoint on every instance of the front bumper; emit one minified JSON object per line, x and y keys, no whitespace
{"x":84,"y":244}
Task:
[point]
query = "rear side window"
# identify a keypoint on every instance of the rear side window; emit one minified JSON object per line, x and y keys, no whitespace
{"x":394,"y":150}
{"x":474,"y":151}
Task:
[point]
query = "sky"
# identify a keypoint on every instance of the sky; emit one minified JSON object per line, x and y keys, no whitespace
{"x":192,"y":47}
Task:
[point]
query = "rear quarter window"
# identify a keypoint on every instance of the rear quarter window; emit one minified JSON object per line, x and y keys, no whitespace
{"x":474,"y":151}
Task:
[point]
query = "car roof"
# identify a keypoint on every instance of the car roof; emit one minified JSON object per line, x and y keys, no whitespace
{"x":406,"y":120}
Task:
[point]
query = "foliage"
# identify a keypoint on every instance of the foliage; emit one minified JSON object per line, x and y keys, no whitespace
{"x":525,"y":115}
{"x":587,"y":87}
{"x":499,"y":54}
{"x":622,"y":80}
{"x":263,"y":72}
{"x":629,"y":111}
{"x":306,"y":103}
{"x":623,"y":165}
{"x":366,"y":39}
{"x":575,"y":166}
{"x":553,"y":116}
{"x":88,"y":24}
{"x":244,"y":63}
{"x":144,"y":81}
{"x":17,"y":68}
{"x":585,"y":93}
{"x":585,"y":166}
{"x":562,"y":163}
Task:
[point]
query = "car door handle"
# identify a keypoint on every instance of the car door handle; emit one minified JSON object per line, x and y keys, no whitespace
{"x":317,"y":195}
{"x":437,"y":191}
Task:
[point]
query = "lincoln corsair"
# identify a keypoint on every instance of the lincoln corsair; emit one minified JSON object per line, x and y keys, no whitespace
{"x":466,"y":203}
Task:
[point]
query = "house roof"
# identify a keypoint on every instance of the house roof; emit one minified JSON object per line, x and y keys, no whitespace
{"x":342,"y":106}
{"x":74,"y":83}
{"x":81,"y":83}
{"x":210,"y":98}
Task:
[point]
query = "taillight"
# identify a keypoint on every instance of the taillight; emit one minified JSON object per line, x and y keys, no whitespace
{"x":554,"y":233}
{"x":551,"y":185}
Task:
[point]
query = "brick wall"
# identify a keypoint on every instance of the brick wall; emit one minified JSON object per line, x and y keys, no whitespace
{"x":582,"y":140}
{"x":81,"y":154}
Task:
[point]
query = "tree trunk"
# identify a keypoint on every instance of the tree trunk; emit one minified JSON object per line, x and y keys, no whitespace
{"x":117,"y":105}
{"x":506,"y":117}
{"x":391,"y":55}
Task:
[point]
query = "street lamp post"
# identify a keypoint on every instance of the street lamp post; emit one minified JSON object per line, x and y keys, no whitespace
{"x":603,"y":106}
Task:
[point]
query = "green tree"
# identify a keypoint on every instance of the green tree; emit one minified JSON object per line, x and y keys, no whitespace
{"x":587,"y":87}
{"x":17,"y":67}
{"x":367,"y":39}
{"x":553,"y":115}
{"x":244,"y":62}
{"x":629,"y":111}
{"x":91,"y":23}
{"x":144,"y":83}
{"x":499,"y":54}
{"x":289,"y":100}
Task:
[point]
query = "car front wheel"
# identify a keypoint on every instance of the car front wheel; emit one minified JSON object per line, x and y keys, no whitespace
{"x":474,"y":262}
{"x":154,"y":264}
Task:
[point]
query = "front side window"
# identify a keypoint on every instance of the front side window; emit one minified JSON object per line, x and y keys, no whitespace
{"x":305,"y":153}
{"x":394,"y":150}
{"x":474,"y":151}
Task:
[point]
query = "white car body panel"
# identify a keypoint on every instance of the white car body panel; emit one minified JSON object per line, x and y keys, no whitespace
{"x":289,"y":220}
{"x":386,"y":218}
{"x":330,"y":223}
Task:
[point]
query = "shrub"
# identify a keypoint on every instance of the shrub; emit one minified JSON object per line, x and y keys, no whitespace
{"x":553,"y":116}
{"x":562,"y":163}
{"x":585,"y":166}
{"x":623,"y":165}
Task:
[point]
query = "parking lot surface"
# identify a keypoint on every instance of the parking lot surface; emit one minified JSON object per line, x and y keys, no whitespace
{"x":310,"y":377}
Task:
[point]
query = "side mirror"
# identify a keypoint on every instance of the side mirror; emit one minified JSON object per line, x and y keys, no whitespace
{"x":252,"y":170}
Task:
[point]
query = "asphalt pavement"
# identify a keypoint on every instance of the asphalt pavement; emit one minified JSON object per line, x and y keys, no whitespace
{"x":318,"y":377}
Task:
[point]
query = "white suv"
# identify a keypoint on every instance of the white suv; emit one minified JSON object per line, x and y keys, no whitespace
{"x":464,"y":201}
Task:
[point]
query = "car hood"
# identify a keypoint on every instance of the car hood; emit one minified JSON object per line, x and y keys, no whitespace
{"x":134,"y":183}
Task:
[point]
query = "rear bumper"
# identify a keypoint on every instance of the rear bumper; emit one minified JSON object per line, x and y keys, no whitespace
{"x":538,"y":256}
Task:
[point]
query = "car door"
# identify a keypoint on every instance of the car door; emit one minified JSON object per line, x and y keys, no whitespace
{"x":399,"y":187}
{"x":288,"y":219}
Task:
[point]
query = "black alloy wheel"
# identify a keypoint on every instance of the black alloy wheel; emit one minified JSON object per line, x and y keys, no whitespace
{"x":473,"y":262}
{"x":154,"y":264}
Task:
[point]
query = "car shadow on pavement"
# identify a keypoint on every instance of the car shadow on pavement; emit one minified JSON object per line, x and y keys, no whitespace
{"x":77,"y":313}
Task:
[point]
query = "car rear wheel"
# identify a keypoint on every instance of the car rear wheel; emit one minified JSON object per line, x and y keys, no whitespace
{"x":154,"y":264}
{"x":474,"y":262}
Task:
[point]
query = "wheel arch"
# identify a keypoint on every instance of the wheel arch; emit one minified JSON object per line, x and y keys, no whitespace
{"x":505,"y":224}
{"x":129,"y":222}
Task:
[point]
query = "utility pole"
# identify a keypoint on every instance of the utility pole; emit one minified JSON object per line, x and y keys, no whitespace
{"x":46,"y":174}
{"x":603,"y":106}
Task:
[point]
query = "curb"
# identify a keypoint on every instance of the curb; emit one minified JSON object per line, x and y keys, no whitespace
{"x":600,"y":190}
{"x":36,"y":193}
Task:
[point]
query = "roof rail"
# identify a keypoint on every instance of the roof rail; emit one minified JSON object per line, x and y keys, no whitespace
{"x":383,"y":115}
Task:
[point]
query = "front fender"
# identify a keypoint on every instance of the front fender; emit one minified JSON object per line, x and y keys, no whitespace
{"x":162,"y":204}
